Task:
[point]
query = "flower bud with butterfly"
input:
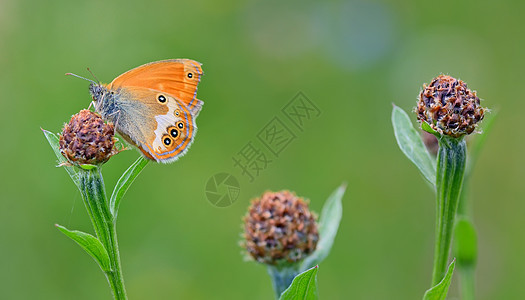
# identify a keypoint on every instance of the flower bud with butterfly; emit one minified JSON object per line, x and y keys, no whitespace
{"x":154,"y":108}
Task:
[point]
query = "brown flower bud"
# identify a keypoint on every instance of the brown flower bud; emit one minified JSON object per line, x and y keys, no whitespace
{"x":449,"y":107}
{"x":279,"y":228}
{"x":86,"y":139}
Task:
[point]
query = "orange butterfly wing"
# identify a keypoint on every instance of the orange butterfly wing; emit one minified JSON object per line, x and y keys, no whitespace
{"x":177,"y":77}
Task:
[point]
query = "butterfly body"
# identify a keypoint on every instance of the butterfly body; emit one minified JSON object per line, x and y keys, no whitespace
{"x":154,"y":106}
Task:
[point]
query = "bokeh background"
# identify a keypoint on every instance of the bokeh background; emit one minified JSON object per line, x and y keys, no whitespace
{"x":353,"y":59}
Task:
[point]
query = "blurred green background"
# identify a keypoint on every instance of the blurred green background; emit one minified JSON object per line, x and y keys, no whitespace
{"x":353,"y":59}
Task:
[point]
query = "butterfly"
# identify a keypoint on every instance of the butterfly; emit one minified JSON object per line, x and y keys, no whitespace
{"x":153,"y":106}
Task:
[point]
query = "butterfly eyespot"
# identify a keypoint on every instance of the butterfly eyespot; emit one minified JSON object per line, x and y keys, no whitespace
{"x":180,"y":125}
{"x":177,"y":112}
{"x":161,"y":98}
{"x":174,"y":132}
{"x":166,"y":140}
{"x":190,"y":75}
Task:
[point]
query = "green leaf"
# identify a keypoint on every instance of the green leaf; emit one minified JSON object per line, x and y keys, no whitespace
{"x":282,"y":276}
{"x":439,"y":292}
{"x":412,"y":146}
{"x":88,"y":166}
{"x":303,"y":287}
{"x":426,"y":127}
{"x":92,"y":246}
{"x":328,"y":225}
{"x":124,"y":183}
{"x":54,"y":143}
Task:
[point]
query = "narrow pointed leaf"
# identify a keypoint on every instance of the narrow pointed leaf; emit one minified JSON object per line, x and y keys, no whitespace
{"x":54,"y":143}
{"x":439,"y":292}
{"x":412,"y":146}
{"x":328,"y":225}
{"x":303,"y":287}
{"x":427,"y":128}
{"x":91,"y":244}
{"x":124,"y":183}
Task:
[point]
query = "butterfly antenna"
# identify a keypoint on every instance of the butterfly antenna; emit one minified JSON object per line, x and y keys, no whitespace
{"x":93,"y":75}
{"x":82,"y":77}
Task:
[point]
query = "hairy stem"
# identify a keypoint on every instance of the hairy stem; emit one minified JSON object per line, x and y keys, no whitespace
{"x":95,"y":200}
{"x":450,"y":171}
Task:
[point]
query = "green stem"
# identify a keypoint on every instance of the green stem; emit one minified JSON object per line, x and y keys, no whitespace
{"x":95,"y":200}
{"x":119,"y":290}
{"x":450,"y":171}
{"x":467,"y":281}
{"x":281,"y":278}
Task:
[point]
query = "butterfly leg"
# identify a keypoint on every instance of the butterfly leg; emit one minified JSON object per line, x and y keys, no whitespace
{"x":118,"y":117}
{"x":124,"y":147}
{"x":110,"y":116}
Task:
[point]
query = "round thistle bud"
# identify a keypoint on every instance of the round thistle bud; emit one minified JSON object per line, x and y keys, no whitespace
{"x":449,"y":107}
{"x":86,"y":139}
{"x":279,"y":228}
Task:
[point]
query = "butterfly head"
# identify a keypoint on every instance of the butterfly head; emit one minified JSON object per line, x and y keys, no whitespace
{"x":97,"y":91}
